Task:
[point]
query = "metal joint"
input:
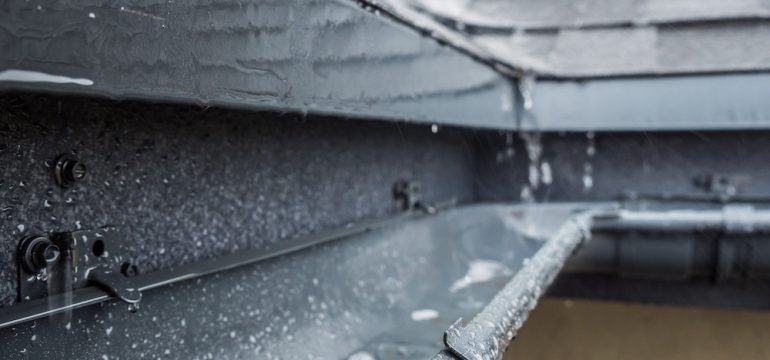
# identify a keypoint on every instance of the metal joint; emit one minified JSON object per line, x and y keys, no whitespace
{"x":59,"y":263}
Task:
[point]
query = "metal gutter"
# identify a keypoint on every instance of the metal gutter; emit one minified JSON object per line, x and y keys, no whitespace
{"x":428,"y":25}
{"x":36,"y":309}
{"x":488,"y":334}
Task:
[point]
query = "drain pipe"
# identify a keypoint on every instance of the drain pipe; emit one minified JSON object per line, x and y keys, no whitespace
{"x":487,"y":335}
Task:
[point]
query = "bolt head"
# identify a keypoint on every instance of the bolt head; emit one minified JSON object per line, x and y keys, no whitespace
{"x":45,"y":254}
{"x":129,"y":270}
{"x":78,"y":171}
{"x":37,"y":253}
{"x":68,"y":170}
{"x":51,"y":253}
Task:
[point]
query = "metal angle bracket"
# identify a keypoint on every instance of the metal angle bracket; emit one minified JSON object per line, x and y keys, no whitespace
{"x":60,"y":262}
{"x":408,"y":196}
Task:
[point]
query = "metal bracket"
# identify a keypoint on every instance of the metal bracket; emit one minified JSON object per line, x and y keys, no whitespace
{"x":58,"y":263}
{"x":408,"y":196}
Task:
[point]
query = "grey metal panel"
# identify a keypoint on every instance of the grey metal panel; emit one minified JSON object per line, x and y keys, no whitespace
{"x":328,"y":57}
{"x":636,"y":50}
{"x":567,"y":39}
{"x":184,"y":183}
{"x":641,"y":162}
{"x":549,"y":14}
{"x":356,"y":295}
{"x":716,"y":102}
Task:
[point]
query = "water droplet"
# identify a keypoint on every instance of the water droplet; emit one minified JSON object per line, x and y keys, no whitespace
{"x":545,"y":170}
{"x":588,"y":181}
{"x":591,"y":147}
{"x":526,"y":88}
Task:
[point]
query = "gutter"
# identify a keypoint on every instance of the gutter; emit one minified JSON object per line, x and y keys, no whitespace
{"x":488,"y":334}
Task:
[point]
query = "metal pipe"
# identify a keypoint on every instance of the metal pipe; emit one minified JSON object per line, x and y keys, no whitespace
{"x":487,"y":335}
{"x":731,"y":219}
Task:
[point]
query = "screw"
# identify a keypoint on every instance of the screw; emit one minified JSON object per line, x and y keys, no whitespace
{"x":129,"y":269}
{"x":38,"y":252}
{"x":68,"y":170}
{"x":45,"y":254}
{"x":406,"y":193}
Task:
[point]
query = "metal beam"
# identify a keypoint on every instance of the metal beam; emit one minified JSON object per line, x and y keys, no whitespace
{"x":691,"y":103}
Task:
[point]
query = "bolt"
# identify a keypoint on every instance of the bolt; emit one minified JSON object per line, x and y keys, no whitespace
{"x":38,"y":253}
{"x":406,"y":193}
{"x":47,"y":253}
{"x":129,"y":269}
{"x":68,"y":170}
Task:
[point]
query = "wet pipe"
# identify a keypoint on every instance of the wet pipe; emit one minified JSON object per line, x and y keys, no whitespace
{"x":487,"y":335}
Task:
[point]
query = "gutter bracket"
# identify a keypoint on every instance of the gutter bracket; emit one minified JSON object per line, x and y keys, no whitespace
{"x":60,"y":262}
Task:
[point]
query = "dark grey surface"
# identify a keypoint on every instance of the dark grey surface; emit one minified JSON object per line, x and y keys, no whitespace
{"x":328,"y":302}
{"x":654,"y":163}
{"x":753,"y":294}
{"x":301,"y":56}
{"x":645,"y":162}
{"x":186,"y":183}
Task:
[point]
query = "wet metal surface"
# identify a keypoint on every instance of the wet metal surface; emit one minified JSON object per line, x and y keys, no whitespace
{"x":389,"y":293}
{"x":486,"y":336}
{"x":183,"y":183}
{"x":300,"y":56}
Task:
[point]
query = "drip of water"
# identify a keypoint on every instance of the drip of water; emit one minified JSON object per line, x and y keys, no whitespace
{"x":534,"y":152}
{"x":60,"y":282}
{"x":588,"y":179}
{"x":538,"y":172}
{"x":545,"y":171}
{"x":526,"y":88}
{"x":588,"y":169}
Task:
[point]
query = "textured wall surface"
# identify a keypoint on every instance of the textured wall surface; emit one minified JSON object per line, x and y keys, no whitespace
{"x":186,"y":183}
{"x":601,"y":166}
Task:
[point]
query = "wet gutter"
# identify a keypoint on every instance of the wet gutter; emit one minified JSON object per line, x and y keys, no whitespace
{"x":488,"y":334}
{"x":91,"y":295}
